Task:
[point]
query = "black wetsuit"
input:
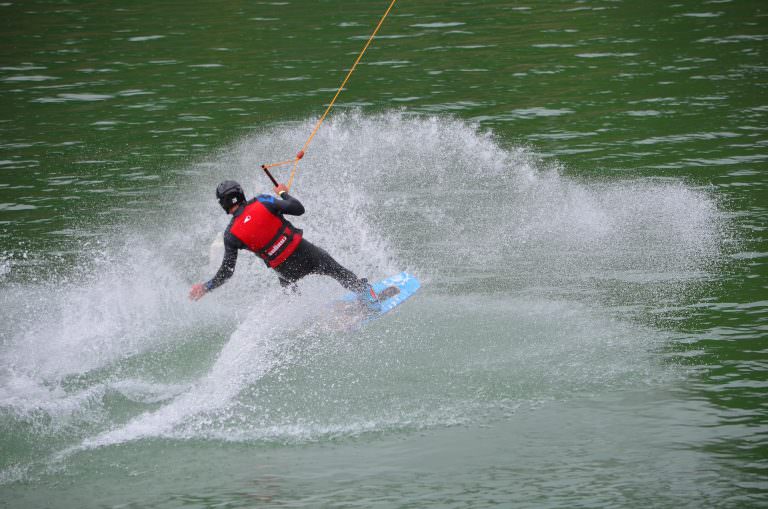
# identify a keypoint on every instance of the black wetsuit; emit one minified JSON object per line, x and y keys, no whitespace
{"x":306,"y":259}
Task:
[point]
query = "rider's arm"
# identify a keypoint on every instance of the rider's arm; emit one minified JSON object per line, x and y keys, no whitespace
{"x":227,"y":267}
{"x":287,"y":205}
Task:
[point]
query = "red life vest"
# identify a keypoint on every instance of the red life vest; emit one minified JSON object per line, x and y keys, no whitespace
{"x":268,"y":235}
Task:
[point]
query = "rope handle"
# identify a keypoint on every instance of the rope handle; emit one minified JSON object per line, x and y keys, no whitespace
{"x":283,"y":163}
{"x":266,"y":170}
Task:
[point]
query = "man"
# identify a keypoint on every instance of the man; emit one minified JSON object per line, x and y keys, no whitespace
{"x":258,"y":225}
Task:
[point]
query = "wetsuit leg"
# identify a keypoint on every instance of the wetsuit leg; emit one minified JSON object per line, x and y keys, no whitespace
{"x":328,"y":266}
{"x":310,"y":259}
{"x":301,"y":263}
{"x":288,"y":285}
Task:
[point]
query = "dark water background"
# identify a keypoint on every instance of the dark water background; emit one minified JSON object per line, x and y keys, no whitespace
{"x":581,"y":185}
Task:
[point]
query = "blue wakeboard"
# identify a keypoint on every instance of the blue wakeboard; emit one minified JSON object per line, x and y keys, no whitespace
{"x":391,"y":292}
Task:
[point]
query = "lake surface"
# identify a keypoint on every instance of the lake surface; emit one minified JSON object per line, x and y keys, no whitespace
{"x":581,"y":187}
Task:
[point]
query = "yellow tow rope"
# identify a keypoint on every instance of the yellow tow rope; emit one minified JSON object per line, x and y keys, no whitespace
{"x":301,"y":152}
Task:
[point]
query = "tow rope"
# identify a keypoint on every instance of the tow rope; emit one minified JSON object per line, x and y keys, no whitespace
{"x":300,"y":153}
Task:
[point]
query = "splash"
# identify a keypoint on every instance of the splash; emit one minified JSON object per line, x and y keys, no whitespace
{"x":246,"y":357}
{"x":530,"y":277}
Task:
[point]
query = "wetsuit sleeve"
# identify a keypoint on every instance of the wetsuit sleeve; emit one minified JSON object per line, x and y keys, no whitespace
{"x":227,"y":267}
{"x":288,"y":205}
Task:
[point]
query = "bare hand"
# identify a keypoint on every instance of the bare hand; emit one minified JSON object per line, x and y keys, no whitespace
{"x":197,"y":292}
{"x":280,"y":189}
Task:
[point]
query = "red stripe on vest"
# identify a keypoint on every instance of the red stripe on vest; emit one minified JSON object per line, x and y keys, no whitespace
{"x":258,"y":229}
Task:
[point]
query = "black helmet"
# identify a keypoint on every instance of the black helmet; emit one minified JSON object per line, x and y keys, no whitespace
{"x":229,"y":193}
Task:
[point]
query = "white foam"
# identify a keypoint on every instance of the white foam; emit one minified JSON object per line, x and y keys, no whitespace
{"x":142,"y":391}
{"x":255,"y":348}
{"x":28,"y":396}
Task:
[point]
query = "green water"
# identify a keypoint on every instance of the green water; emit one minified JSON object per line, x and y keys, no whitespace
{"x":580,"y":185}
